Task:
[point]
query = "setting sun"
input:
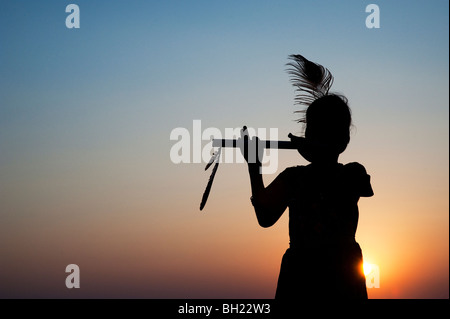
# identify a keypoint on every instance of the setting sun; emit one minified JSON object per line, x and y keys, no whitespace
{"x":367,"y":268}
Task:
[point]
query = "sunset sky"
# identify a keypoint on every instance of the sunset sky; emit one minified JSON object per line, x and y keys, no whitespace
{"x":86,"y":115}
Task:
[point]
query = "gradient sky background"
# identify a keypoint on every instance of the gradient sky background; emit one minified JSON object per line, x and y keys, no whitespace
{"x":86,"y":115}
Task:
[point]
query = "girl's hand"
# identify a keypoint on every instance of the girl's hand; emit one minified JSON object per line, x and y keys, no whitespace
{"x":252,"y":149}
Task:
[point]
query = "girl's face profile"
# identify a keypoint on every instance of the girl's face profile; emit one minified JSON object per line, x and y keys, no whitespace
{"x":328,"y":121}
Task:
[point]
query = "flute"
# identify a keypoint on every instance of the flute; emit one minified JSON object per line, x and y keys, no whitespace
{"x":287,"y":145}
{"x":283,"y":145}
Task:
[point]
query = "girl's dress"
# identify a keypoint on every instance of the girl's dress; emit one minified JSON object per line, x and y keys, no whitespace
{"x":323,"y":260}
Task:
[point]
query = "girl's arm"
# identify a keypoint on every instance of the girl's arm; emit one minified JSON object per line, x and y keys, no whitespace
{"x":269,"y":202}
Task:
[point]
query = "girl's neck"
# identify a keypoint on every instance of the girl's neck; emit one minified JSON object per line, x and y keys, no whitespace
{"x":328,"y":162}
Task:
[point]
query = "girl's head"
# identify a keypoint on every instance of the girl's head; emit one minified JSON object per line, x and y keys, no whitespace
{"x":327,"y":122}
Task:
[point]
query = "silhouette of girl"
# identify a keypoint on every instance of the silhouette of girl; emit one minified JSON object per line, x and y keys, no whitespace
{"x":323,"y":259}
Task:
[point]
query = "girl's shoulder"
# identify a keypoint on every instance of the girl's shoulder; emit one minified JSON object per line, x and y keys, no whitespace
{"x":352,"y":175}
{"x":356,"y":174}
{"x":294,"y":174}
{"x":355,"y":168}
{"x":294,"y":170}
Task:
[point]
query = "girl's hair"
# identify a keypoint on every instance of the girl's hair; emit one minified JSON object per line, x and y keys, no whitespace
{"x":328,"y":120}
